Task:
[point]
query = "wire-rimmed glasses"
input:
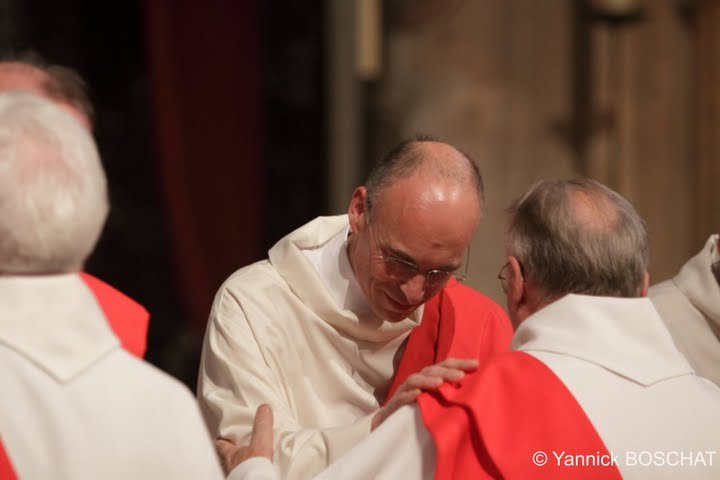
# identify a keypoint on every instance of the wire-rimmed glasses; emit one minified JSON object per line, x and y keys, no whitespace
{"x":402,"y":270}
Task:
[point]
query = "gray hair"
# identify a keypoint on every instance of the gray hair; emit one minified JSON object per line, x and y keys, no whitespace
{"x":53,"y":192}
{"x":407,"y":158}
{"x":578,"y":236}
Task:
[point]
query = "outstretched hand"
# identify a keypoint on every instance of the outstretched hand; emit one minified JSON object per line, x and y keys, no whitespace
{"x":429,"y":378}
{"x":261,"y":442}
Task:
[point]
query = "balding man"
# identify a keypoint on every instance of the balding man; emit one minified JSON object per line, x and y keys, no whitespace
{"x":352,"y":316}
{"x":593,"y":388}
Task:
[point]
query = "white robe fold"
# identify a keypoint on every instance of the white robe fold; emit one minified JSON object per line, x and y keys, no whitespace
{"x":278,"y":335}
{"x":689,"y":304}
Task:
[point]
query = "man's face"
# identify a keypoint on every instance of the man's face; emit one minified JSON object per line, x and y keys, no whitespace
{"x":418,"y":234}
{"x":18,"y":76}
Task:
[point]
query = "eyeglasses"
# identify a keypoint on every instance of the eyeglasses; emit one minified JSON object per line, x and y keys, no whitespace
{"x":402,"y":270}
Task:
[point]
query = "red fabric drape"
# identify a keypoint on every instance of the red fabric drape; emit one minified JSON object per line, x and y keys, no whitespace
{"x":127,"y":318}
{"x":509,"y":420}
{"x":458,"y":322}
{"x":204,"y":62}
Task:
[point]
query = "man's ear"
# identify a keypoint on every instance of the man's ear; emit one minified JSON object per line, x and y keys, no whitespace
{"x":515,"y":285}
{"x":645,"y":284}
{"x":523,"y":296}
{"x":357,"y":211}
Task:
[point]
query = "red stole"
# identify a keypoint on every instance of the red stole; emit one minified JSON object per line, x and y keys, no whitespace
{"x":458,"y":322}
{"x":6,"y":470}
{"x":493,"y":423}
{"x":127,"y":318}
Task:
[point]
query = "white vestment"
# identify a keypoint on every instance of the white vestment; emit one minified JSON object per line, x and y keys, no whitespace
{"x":689,"y":304}
{"x":618,"y":360}
{"x":75,"y":405}
{"x":293,"y":331}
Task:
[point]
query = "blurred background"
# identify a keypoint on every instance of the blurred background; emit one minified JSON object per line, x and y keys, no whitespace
{"x":223,"y":125}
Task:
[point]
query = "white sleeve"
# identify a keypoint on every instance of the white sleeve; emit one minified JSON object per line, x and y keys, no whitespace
{"x":400,"y":447}
{"x":234,"y":379}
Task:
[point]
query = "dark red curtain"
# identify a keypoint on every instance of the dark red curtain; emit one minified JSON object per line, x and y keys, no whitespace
{"x":204,"y":63}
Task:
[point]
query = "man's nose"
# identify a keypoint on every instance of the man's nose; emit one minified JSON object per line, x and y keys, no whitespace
{"x":414,"y":289}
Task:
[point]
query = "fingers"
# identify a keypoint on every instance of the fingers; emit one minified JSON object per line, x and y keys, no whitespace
{"x":224,"y":448}
{"x":403,"y":398}
{"x":261,"y":442}
{"x":449,"y":370}
{"x":398,"y":400}
{"x":230,"y":454}
{"x":422,"y":380}
{"x":466,"y":364}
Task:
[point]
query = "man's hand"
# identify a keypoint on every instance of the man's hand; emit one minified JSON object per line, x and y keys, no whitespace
{"x":450,"y":370}
{"x":261,"y":442}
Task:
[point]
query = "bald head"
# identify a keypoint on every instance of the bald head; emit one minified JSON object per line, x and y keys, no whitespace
{"x":592,"y":211}
{"x":578,"y":236}
{"x":437,"y":162}
{"x":59,"y":84}
{"x":417,"y":213}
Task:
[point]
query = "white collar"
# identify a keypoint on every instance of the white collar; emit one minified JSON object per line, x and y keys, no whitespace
{"x":55,"y":322}
{"x":332,"y":263}
{"x":623,"y":335}
{"x":696,"y":281}
{"x":316,"y":288}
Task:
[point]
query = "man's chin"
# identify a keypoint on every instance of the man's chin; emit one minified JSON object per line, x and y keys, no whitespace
{"x":390,"y":310}
{"x":397,"y":313}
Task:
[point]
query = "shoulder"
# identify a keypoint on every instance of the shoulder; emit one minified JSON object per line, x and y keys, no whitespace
{"x":669,"y":300}
{"x":258,"y":274}
{"x":142,"y":375}
{"x":663,"y":289}
{"x":258,"y":281}
{"x":506,"y":377}
{"x":467,"y":300}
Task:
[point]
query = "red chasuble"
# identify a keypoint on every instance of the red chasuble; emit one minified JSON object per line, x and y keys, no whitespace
{"x":513,"y":419}
{"x":458,"y":322}
{"x":127,"y":318}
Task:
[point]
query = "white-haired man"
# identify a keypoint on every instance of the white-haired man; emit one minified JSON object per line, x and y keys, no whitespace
{"x":74,"y":404}
{"x":29,"y":72}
